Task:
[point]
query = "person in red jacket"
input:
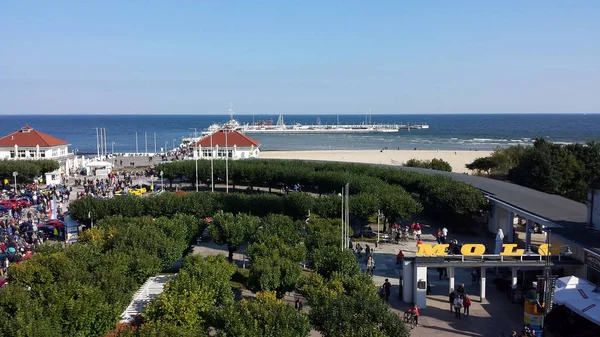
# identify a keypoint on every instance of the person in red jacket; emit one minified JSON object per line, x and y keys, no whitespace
{"x":415,"y":310}
{"x":466,"y":304}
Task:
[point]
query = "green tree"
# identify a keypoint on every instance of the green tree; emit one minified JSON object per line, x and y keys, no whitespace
{"x":275,"y":265}
{"x":364,"y":205}
{"x":189,"y":299}
{"x":483,"y":164}
{"x":263,"y":316}
{"x":330,"y":259}
{"x":232,"y":230}
{"x":434,"y":164}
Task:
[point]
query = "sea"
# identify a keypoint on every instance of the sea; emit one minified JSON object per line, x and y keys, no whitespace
{"x":155,"y":133}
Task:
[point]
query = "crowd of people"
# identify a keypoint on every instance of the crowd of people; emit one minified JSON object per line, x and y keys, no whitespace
{"x":19,"y":224}
{"x":109,"y":186}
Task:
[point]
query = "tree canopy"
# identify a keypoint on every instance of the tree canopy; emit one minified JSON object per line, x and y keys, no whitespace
{"x":433,"y":164}
{"x":565,"y":170}
{"x":27,"y":169}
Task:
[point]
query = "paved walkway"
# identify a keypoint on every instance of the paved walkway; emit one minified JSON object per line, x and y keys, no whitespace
{"x":495,"y":315}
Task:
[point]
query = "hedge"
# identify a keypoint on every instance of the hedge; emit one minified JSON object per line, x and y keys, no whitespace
{"x":438,"y":194}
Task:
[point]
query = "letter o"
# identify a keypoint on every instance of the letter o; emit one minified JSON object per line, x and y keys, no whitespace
{"x":472,"y":249}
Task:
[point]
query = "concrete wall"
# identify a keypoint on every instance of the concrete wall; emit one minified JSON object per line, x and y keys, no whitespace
{"x":419,"y":295}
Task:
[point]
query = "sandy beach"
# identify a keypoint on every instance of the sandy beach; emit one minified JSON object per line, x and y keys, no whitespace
{"x":457,"y":159}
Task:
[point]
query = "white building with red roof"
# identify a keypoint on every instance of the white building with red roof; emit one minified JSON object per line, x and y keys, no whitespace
{"x":226,"y":142}
{"x":28,"y":143}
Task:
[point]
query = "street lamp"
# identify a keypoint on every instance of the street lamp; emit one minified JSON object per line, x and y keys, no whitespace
{"x":162,"y":183}
{"x":196,"y":155}
{"x":378,"y":227}
{"x":15,"y":174}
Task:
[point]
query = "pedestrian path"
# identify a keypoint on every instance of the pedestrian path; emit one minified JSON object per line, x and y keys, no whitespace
{"x":495,"y":315}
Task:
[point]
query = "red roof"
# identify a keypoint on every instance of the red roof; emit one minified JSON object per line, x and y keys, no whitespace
{"x":233,"y":138}
{"x":28,"y":137}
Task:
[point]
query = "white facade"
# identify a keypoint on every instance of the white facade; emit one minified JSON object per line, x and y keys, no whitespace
{"x":234,"y":152}
{"x":17,"y":152}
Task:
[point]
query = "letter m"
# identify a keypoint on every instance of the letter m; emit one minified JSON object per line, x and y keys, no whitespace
{"x":426,"y":249}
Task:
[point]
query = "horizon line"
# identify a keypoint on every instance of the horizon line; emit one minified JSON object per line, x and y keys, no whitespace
{"x":306,"y":114}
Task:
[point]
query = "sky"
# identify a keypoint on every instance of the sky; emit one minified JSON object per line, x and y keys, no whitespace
{"x":293,"y":57}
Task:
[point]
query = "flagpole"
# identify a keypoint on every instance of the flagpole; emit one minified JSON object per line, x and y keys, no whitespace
{"x":212,"y":156}
{"x":343,"y":222}
{"x":136,"y":144}
{"x":155,"y":143}
{"x":105,"y":148}
{"x":146,"y":140}
{"x":226,"y":164}
{"x":101,"y":147}
{"x":97,"y":144}
{"x":196,"y":155}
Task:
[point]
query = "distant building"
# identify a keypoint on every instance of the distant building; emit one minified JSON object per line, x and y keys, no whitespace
{"x":226,"y":142}
{"x":28,"y":143}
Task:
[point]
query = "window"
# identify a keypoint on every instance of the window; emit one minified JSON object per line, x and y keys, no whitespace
{"x":207,"y":153}
{"x":221,"y":154}
{"x":43,"y":154}
{"x":55,"y":153}
{"x":12,"y":153}
{"x":32,"y":154}
{"x":21,"y":153}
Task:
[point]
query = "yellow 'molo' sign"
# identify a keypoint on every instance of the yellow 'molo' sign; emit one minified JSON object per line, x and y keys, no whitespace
{"x":476,"y":249}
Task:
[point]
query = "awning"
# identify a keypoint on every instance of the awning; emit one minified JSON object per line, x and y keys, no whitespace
{"x":579,"y":296}
{"x":98,"y":164}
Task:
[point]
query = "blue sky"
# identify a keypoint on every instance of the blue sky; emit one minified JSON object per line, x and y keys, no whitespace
{"x":194,"y":57}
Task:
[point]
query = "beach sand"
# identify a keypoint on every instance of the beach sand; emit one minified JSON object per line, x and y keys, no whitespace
{"x":456,"y":159}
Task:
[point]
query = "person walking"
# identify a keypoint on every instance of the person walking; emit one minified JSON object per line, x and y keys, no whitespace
{"x":457,"y":306}
{"x":451,"y":298}
{"x":466,"y":304}
{"x":399,"y":258}
{"x":387,"y":289}
{"x":461,"y":290}
{"x":370,"y":265}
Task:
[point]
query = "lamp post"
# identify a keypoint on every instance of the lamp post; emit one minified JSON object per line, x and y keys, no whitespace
{"x":15,"y":174}
{"x":212,"y":165}
{"x":226,"y":164}
{"x":196,"y":155}
{"x":162,"y":182}
{"x":378,"y":226}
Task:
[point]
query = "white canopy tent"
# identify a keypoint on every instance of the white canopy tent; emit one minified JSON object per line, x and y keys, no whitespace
{"x":579,"y":295}
{"x":98,"y":168}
